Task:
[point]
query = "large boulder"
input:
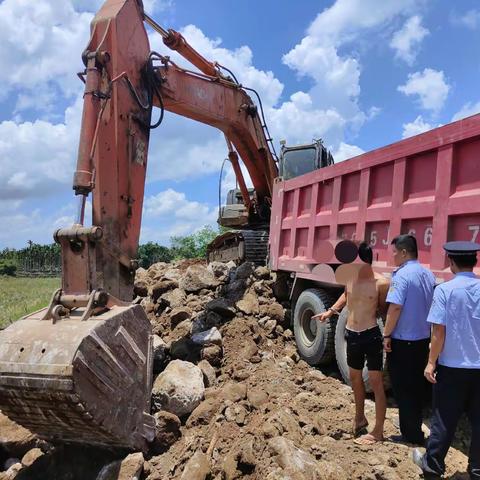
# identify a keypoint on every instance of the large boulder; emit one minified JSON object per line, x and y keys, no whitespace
{"x":221,"y":307}
{"x":179,"y":389}
{"x":173,"y":298}
{"x":248,"y":304}
{"x":220,"y":270}
{"x":197,"y":278}
{"x":161,"y":287}
{"x":245,"y":270}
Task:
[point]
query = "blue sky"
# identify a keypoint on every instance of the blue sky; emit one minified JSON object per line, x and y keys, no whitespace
{"x":358,"y":73}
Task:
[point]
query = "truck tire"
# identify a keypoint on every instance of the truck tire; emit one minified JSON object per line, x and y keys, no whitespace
{"x":315,"y":341}
{"x":341,"y":352}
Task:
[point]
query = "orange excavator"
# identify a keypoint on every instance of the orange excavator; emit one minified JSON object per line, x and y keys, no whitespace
{"x":80,"y":370}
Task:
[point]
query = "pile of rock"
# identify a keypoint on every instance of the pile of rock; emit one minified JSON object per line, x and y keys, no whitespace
{"x":231,"y":397}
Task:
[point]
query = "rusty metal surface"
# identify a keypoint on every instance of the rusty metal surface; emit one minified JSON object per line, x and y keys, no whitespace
{"x":80,"y":382}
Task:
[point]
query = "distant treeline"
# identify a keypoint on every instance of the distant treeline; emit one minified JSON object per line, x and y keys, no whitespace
{"x":44,"y":260}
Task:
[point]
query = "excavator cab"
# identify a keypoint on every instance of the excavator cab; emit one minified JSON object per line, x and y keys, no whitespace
{"x":302,"y":159}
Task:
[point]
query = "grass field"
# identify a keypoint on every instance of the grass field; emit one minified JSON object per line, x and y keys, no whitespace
{"x":19,"y":296}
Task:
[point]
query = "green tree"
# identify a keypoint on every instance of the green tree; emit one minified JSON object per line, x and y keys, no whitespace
{"x":150,"y":253}
{"x":193,"y":246}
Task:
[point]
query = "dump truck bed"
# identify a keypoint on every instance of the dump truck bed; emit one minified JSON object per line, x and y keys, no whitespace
{"x":427,"y":185}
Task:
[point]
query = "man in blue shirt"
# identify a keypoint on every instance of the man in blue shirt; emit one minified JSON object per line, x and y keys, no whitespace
{"x":407,"y":335}
{"x":455,"y":316}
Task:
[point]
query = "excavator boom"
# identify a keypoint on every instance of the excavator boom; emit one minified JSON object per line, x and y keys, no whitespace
{"x":80,"y":370}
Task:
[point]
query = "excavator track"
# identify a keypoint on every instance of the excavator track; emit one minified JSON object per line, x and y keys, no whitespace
{"x":240,"y":246}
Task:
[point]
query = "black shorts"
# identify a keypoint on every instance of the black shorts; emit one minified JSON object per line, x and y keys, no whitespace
{"x":368,"y":345}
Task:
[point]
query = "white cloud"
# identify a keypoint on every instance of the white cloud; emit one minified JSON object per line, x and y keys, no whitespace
{"x":36,"y":158}
{"x":430,"y":86}
{"x":40,"y":46}
{"x":337,"y":75}
{"x":467,"y":110}
{"x":406,"y":41}
{"x":173,"y":208}
{"x":346,"y":19}
{"x":172,"y":203}
{"x":346,"y":151}
{"x":419,"y":125}
{"x":470,"y":19}
{"x":31,"y":223}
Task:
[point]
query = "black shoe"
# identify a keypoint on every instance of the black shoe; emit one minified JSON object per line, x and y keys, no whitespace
{"x":417,"y":457}
{"x":402,"y":439}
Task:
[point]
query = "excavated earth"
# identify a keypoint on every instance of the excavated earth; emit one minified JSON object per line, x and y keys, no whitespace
{"x":231,"y":396}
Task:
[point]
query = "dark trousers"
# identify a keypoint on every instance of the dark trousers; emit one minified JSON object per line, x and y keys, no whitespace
{"x":406,"y":364}
{"x":457,"y":391}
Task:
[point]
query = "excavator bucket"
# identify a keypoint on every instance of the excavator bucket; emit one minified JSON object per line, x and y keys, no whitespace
{"x":76,"y":380}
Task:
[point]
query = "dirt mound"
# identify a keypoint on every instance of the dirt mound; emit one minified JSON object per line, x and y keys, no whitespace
{"x":264,"y":413}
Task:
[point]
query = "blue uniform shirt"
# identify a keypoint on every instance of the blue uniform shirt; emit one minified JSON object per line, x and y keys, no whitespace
{"x":412,"y":287}
{"x":456,"y":304}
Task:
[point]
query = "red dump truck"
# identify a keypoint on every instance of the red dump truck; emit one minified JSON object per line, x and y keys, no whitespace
{"x":427,"y":185}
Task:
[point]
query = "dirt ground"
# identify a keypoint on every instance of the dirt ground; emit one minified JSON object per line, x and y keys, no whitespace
{"x":265,"y":414}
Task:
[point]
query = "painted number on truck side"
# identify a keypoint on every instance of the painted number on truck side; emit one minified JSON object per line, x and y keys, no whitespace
{"x":474,"y":229}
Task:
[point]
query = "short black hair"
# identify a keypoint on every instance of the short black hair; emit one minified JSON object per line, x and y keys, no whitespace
{"x":365,"y":253}
{"x":406,"y":242}
{"x":464,"y":261}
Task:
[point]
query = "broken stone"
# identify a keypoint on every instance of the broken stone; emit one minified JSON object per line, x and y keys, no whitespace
{"x":173,"y":298}
{"x":205,"y":412}
{"x":236,"y":413}
{"x":140,"y":288}
{"x":130,"y":468}
{"x":212,"y":354}
{"x":160,"y":350}
{"x":248,"y":304}
{"x":179,"y":314}
{"x":197,"y":468}
{"x":209,"y":375}
{"x":219,"y":269}
{"x":234,"y":391}
{"x":293,"y":460}
{"x":161,"y":287}
{"x":31,"y":456}
{"x":179,"y":389}
{"x":262,"y":272}
{"x":270,"y":326}
{"x":244,"y":271}
{"x":257,"y":397}
{"x":196,"y":278}
{"x":167,"y":430}
{"x":208,"y":337}
{"x":220,"y":306}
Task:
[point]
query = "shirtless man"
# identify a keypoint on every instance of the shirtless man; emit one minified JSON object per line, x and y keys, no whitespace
{"x":365,"y":294}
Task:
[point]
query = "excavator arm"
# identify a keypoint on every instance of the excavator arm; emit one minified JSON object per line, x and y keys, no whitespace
{"x":80,"y":370}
